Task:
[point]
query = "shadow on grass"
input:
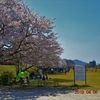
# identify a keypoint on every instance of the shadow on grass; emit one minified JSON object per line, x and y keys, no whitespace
{"x":76,"y":86}
{"x":62,"y":80}
{"x":31,"y":94}
{"x":34,"y":92}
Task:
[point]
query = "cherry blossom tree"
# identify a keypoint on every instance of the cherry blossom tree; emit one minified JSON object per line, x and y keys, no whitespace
{"x":26,"y":38}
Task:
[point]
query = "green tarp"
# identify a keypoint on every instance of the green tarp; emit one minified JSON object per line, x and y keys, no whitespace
{"x":21,"y":74}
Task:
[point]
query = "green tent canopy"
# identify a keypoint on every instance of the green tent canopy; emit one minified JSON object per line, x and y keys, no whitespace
{"x":21,"y":74}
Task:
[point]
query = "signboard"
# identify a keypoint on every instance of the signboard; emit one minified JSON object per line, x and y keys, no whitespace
{"x":79,"y":73}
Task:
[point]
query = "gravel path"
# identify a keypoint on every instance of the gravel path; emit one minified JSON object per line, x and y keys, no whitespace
{"x":46,"y":94}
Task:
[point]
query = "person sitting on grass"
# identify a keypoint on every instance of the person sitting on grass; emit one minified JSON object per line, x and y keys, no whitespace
{"x":32,"y":75}
{"x":21,"y":81}
{"x":27,"y":80}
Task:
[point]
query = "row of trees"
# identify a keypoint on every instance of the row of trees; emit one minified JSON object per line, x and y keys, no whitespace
{"x":26,"y":38}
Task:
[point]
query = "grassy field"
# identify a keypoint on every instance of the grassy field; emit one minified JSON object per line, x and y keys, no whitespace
{"x":65,"y":80}
{"x":10,"y":68}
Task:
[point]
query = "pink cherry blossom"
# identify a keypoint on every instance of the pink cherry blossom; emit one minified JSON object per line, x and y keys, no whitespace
{"x":26,"y":38}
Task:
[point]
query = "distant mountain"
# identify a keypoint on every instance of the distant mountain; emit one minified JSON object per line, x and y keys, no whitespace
{"x":79,"y":62}
{"x":76,"y":62}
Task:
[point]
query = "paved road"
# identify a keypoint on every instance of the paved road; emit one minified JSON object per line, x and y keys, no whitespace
{"x":46,"y":94}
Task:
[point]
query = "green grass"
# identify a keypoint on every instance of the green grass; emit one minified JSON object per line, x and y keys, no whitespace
{"x":93,"y":79}
{"x":67,"y":80}
{"x":10,"y":68}
{"x":64,"y":80}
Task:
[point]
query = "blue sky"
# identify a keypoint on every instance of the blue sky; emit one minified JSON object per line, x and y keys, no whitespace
{"x":77,"y":23}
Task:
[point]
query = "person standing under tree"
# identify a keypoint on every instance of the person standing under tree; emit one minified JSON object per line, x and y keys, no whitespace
{"x":41,"y":73}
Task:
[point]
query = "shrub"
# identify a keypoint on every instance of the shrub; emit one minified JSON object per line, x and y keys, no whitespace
{"x":6,"y":77}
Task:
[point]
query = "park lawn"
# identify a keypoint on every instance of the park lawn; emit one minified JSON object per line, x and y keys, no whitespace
{"x":10,"y":68}
{"x":92,"y":81}
{"x":63,"y":79}
{"x":66,"y":80}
